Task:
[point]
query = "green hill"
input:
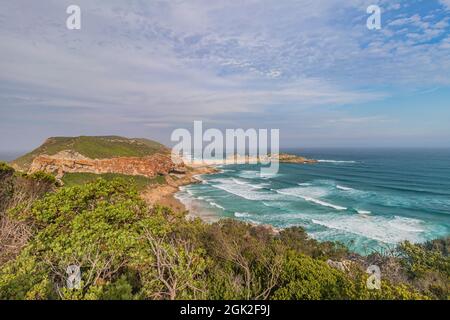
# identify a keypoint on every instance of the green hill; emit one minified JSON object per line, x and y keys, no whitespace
{"x":101,"y":147}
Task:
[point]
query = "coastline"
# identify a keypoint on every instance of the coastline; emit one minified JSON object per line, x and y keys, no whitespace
{"x":165,"y":195}
{"x":317,"y":194}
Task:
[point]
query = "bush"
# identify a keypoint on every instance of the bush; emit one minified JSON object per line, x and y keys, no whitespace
{"x":5,"y":170}
{"x":127,"y":250}
{"x":43,"y":177}
{"x":18,"y":191}
{"x":304,"y":278}
{"x":104,"y":227}
{"x":428,"y":266}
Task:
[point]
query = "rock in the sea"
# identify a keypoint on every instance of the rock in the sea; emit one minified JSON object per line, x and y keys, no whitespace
{"x":292,"y":158}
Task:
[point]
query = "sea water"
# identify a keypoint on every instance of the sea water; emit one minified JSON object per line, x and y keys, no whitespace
{"x":367,"y":199}
{"x":9,"y":156}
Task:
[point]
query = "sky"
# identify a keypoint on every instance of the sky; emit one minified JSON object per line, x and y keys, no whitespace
{"x":309,"y":68}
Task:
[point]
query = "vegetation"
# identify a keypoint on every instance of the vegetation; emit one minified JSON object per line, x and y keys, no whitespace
{"x":73,"y":179}
{"x":428,"y":265}
{"x":18,"y":192}
{"x":127,"y":250}
{"x":94,"y":148}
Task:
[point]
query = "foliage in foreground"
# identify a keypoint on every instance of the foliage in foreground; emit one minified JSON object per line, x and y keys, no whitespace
{"x":129,"y":251}
{"x":18,"y":192}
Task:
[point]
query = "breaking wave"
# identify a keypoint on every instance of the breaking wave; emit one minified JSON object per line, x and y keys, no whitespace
{"x":336,"y":161}
{"x":311,"y":195}
{"x":242,"y":214}
{"x":243,"y":190}
{"x":343,"y":188}
{"x":387,"y":230}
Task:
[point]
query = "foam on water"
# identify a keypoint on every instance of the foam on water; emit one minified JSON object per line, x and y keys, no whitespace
{"x":237,"y":181}
{"x":383,"y":229}
{"x":212,"y":203}
{"x":243,"y":190}
{"x":407,"y":224}
{"x":257,"y":174}
{"x":325,"y":204}
{"x":242,"y":214}
{"x":352,"y":204}
{"x":336,"y":161}
{"x":274,"y":204}
{"x":343,"y":188}
{"x":255,"y":186}
{"x":314,"y":191}
{"x":310,"y":194}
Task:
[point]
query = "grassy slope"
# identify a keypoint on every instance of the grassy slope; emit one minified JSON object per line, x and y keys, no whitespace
{"x":73,"y":179}
{"x":94,"y":148}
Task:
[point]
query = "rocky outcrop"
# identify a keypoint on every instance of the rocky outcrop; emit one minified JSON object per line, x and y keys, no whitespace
{"x":246,"y":159}
{"x":291,"y":158}
{"x":343,"y":266}
{"x":70,"y":162}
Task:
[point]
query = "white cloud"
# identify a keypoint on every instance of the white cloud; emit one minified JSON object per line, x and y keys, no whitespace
{"x":167,"y":62}
{"x":445,"y":3}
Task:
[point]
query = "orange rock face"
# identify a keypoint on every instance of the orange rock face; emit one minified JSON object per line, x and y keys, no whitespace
{"x":151,"y":166}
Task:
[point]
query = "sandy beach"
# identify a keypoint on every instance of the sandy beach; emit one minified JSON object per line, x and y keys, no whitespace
{"x":165,"y":194}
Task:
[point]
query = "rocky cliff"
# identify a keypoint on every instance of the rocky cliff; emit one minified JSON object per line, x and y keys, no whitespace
{"x":91,"y":147}
{"x":69,"y":162}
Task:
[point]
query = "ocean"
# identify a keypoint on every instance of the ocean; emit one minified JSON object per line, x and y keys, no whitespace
{"x":369,"y":199}
{"x":9,"y":156}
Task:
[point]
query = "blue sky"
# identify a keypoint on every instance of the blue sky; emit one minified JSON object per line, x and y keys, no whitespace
{"x":310,"y":68}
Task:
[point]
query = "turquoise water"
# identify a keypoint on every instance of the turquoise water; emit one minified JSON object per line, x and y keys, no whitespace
{"x":367,"y":199}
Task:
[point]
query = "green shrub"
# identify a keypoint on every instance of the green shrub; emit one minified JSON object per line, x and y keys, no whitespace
{"x":428,"y":266}
{"x":43,"y":177}
{"x":5,"y":170}
{"x":76,"y":179}
{"x":127,"y":250}
{"x":304,"y":278}
{"x":104,"y":227}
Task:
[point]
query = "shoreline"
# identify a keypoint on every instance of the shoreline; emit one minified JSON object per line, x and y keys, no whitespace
{"x":165,"y":194}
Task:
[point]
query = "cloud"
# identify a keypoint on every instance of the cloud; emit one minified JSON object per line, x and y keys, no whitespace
{"x":165,"y":63}
{"x":119,"y":65}
{"x":445,"y":3}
